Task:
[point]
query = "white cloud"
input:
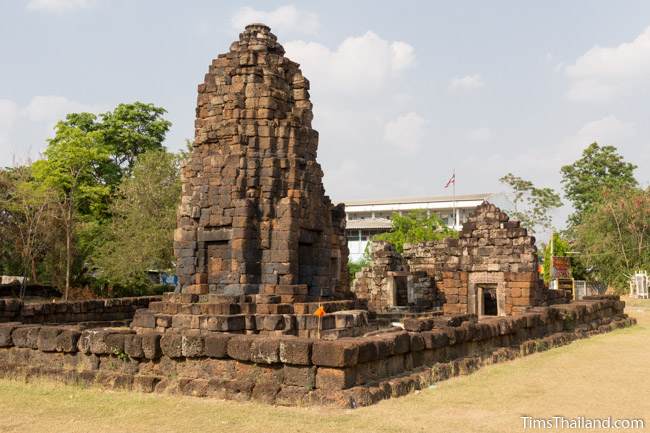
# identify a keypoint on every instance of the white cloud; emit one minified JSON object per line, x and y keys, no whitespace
{"x":51,"y":109}
{"x":605,"y":131}
{"x":24,"y":130}
{"x":285,"y":19}
{"x":360,"y":64}
{"x":467,"y":83}
{"x":406,"y":132}
{"x":605,"y":72}
{"x":58,"y":6}
{"x":480,"y":134}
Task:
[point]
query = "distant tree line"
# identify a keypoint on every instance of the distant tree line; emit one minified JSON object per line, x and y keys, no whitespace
{"x":98,"y":210}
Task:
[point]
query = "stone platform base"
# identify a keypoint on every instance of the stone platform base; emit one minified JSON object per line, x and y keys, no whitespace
{"x":267,"y":314}
{"x":287,"y":370}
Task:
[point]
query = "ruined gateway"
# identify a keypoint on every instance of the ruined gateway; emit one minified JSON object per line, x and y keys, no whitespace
{"x":260,"y":248}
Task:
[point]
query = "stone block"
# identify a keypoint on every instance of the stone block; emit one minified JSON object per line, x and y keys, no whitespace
{"x":295,"y":351}
{"x":26,"y":336}
{"x":67,"y":341}
{"x":335,"y":378}
{"x":133,"y":346}
{"x":291,"y":395}
{"x":239,"y":347}
{"x":47,"y":338}
{"x":402,"y":343}
{"x":115,"y":342}
{"x":144,"y":383}
{"x":171,"y":345}
{"x":265,"y":392}
{"x":192,"y":346}
{"x":5,"y":335}
{"x":337,"y":353}
{"x":299,"y":375}
{"x":216,"y":345}
{"x":239,"y":389}
{"x":151,"y":345}
{"x":368,"y":351}
{"x":265,"y":350}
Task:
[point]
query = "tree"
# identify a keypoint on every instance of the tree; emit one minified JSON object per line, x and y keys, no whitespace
{"x":140,"y":235}
{"x":599,"y":168}
{"x":129,"y":130}
{"x":613,"y":235}
{"x":25,"y":211}
{"x":532,"y":205}
{"x":414,"y":227}
{"x":73,"y":168}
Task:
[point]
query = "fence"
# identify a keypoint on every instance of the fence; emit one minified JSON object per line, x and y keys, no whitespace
{"x":639,"y":285}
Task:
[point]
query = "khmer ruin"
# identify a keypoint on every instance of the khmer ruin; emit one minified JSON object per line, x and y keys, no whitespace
{"x":265,"y":309}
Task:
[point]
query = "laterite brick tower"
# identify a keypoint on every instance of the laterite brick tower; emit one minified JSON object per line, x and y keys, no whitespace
{"x":254,"y":217}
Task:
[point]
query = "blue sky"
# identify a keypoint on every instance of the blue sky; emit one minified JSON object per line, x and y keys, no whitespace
{"x":404,"y":92}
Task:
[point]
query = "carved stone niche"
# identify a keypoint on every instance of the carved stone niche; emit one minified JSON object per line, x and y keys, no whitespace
{"x":486,"y":294}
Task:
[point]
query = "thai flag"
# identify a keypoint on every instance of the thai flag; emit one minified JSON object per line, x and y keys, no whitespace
{"x":451,"y":180}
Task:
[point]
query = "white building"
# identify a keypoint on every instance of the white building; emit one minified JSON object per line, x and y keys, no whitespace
{"x":366,"y":218}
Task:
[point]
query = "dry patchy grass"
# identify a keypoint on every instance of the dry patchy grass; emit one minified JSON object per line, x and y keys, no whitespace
{"x":606,"y":375}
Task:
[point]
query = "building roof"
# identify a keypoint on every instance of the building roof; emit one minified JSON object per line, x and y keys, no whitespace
{"x":430,"y":199}
{"x":368,"y":224}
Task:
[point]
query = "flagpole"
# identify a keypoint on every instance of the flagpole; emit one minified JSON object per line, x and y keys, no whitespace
{"x":454,"y":193}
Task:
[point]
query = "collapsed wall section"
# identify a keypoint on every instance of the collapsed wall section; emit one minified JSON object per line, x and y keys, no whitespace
{"x":491,"y":269}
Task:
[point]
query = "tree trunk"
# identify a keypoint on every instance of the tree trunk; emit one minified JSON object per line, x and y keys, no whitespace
{"x":68,"y":233}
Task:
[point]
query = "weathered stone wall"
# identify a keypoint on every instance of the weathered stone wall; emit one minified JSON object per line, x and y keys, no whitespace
{"x":386,"y":283}
{"x":253,"y":211}
{"x":93,"y":310}
{"x":348,"y":372}
{"x":491,"y":252}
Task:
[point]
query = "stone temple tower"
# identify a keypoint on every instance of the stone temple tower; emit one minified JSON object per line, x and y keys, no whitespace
{"x":254,"y":217}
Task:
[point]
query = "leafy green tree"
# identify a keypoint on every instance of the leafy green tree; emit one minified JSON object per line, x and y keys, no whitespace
{"x":132,"y":129}
{"x":129,"y":130}
{"x":17,"y":221}
{"x":532,"y":205}
{"x":613,"y":236}
{"x":414,"y":227}
{"x":599,"y":168}
{"x":73,"y":166}
{"x":140,"y":234}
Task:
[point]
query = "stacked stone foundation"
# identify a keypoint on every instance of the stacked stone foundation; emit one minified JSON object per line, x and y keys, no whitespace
{"x":289,"y":370}
{"x":264,"y":314}
{"x":92,"y":310}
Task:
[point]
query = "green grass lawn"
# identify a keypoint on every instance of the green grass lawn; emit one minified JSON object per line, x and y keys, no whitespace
{"x":606,"y":375}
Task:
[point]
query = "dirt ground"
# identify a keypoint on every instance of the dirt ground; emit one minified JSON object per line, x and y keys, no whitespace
{"x":607,"y":375}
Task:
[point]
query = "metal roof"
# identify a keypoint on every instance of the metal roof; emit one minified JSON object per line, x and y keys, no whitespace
{"x":430,"y":199}
{"x":368,"y":223}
